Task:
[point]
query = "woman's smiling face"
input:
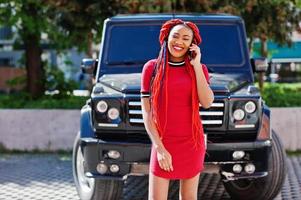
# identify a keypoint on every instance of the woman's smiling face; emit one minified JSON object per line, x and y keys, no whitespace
{"x":179,"y":41}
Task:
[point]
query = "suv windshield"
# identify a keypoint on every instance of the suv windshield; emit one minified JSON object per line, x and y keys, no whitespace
{"x":135,"y":44}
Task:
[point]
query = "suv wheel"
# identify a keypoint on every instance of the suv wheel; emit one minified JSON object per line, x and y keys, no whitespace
{"x":265,"y":188}
{"x":91,"y":188}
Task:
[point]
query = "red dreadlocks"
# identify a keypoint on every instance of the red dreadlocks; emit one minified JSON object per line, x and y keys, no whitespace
{"x":161,"y":77}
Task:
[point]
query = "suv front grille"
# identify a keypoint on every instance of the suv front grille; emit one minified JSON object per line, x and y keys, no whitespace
{"x":211,"y":117}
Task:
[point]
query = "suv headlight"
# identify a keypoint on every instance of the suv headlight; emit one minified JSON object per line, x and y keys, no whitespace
{"x":250,"y":107}
{"x":107,"y":112}
{"x":113,"y":113}
{"x":244,"y":113}
{"x":102,"y":106}
{"x":239,"y":114}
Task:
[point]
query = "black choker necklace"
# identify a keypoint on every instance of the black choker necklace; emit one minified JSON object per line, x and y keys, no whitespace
{"x":176,"y":63}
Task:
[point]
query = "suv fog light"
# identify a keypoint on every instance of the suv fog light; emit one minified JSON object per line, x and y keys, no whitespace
{"x":113,"y":113}
{"x":250,"y":168}
{"x":237,"y":168}
{"x":114,"y":154}
{"x":102,"y":106}
{"x":238,"y":155}
{"x":250,"y":107}
{"x":114,"y":168}
{"x":239,"y":114}
{"x":102,"y":168}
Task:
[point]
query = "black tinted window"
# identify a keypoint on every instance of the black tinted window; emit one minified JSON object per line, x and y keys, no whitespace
{"x":221,"y":44}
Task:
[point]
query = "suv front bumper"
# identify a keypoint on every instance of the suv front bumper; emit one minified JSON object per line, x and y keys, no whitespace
{"x":134,"y":157}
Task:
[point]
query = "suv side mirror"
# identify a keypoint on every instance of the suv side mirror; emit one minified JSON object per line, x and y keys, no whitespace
{"x":259,"y":64}
{"x":89,"y":65}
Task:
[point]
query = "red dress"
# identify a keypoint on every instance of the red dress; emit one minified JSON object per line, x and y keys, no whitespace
{"x":177,"y":138}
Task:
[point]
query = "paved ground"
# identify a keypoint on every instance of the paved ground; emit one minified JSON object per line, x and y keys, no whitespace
{"x":33,"y":177}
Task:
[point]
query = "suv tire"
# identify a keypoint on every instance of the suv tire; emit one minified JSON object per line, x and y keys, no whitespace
{"x":265,"y":188}
{"x":92,"y":188}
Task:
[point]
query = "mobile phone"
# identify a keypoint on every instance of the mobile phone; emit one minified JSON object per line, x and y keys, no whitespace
{"x":191,"y":54}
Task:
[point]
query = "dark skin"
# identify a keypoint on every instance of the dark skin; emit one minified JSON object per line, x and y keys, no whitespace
{"x":179,"y":42}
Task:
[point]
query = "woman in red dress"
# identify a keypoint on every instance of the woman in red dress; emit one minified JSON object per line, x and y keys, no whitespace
{"x":172,"y":87}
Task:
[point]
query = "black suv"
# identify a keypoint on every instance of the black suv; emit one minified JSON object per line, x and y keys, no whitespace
{"x":112,"y":142}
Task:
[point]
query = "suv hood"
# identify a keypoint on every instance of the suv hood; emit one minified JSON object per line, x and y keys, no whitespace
{"x":130,"y":83}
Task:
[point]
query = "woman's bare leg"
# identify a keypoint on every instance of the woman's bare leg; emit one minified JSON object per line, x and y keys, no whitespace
{"x":157,"y":187}
{"x":189,"y":188}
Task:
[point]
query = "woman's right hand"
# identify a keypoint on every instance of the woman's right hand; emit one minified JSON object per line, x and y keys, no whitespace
{"x":164,"y":159}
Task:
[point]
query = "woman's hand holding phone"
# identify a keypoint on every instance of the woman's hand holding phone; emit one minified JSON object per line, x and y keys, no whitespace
{"x":195,"y":55}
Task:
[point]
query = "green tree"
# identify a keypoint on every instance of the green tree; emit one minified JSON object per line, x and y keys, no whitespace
{"x":25,"y":15}
{"x":80,"y":21}
{"x":147,"y":6}
{"x":74,"y":23}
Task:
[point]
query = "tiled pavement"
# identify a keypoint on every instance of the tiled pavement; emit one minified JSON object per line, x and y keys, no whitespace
{"x":49,"y":176}
{"x":33,"y":177}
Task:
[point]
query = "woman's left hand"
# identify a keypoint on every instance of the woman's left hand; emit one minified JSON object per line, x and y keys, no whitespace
{"x":197,"y":59}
